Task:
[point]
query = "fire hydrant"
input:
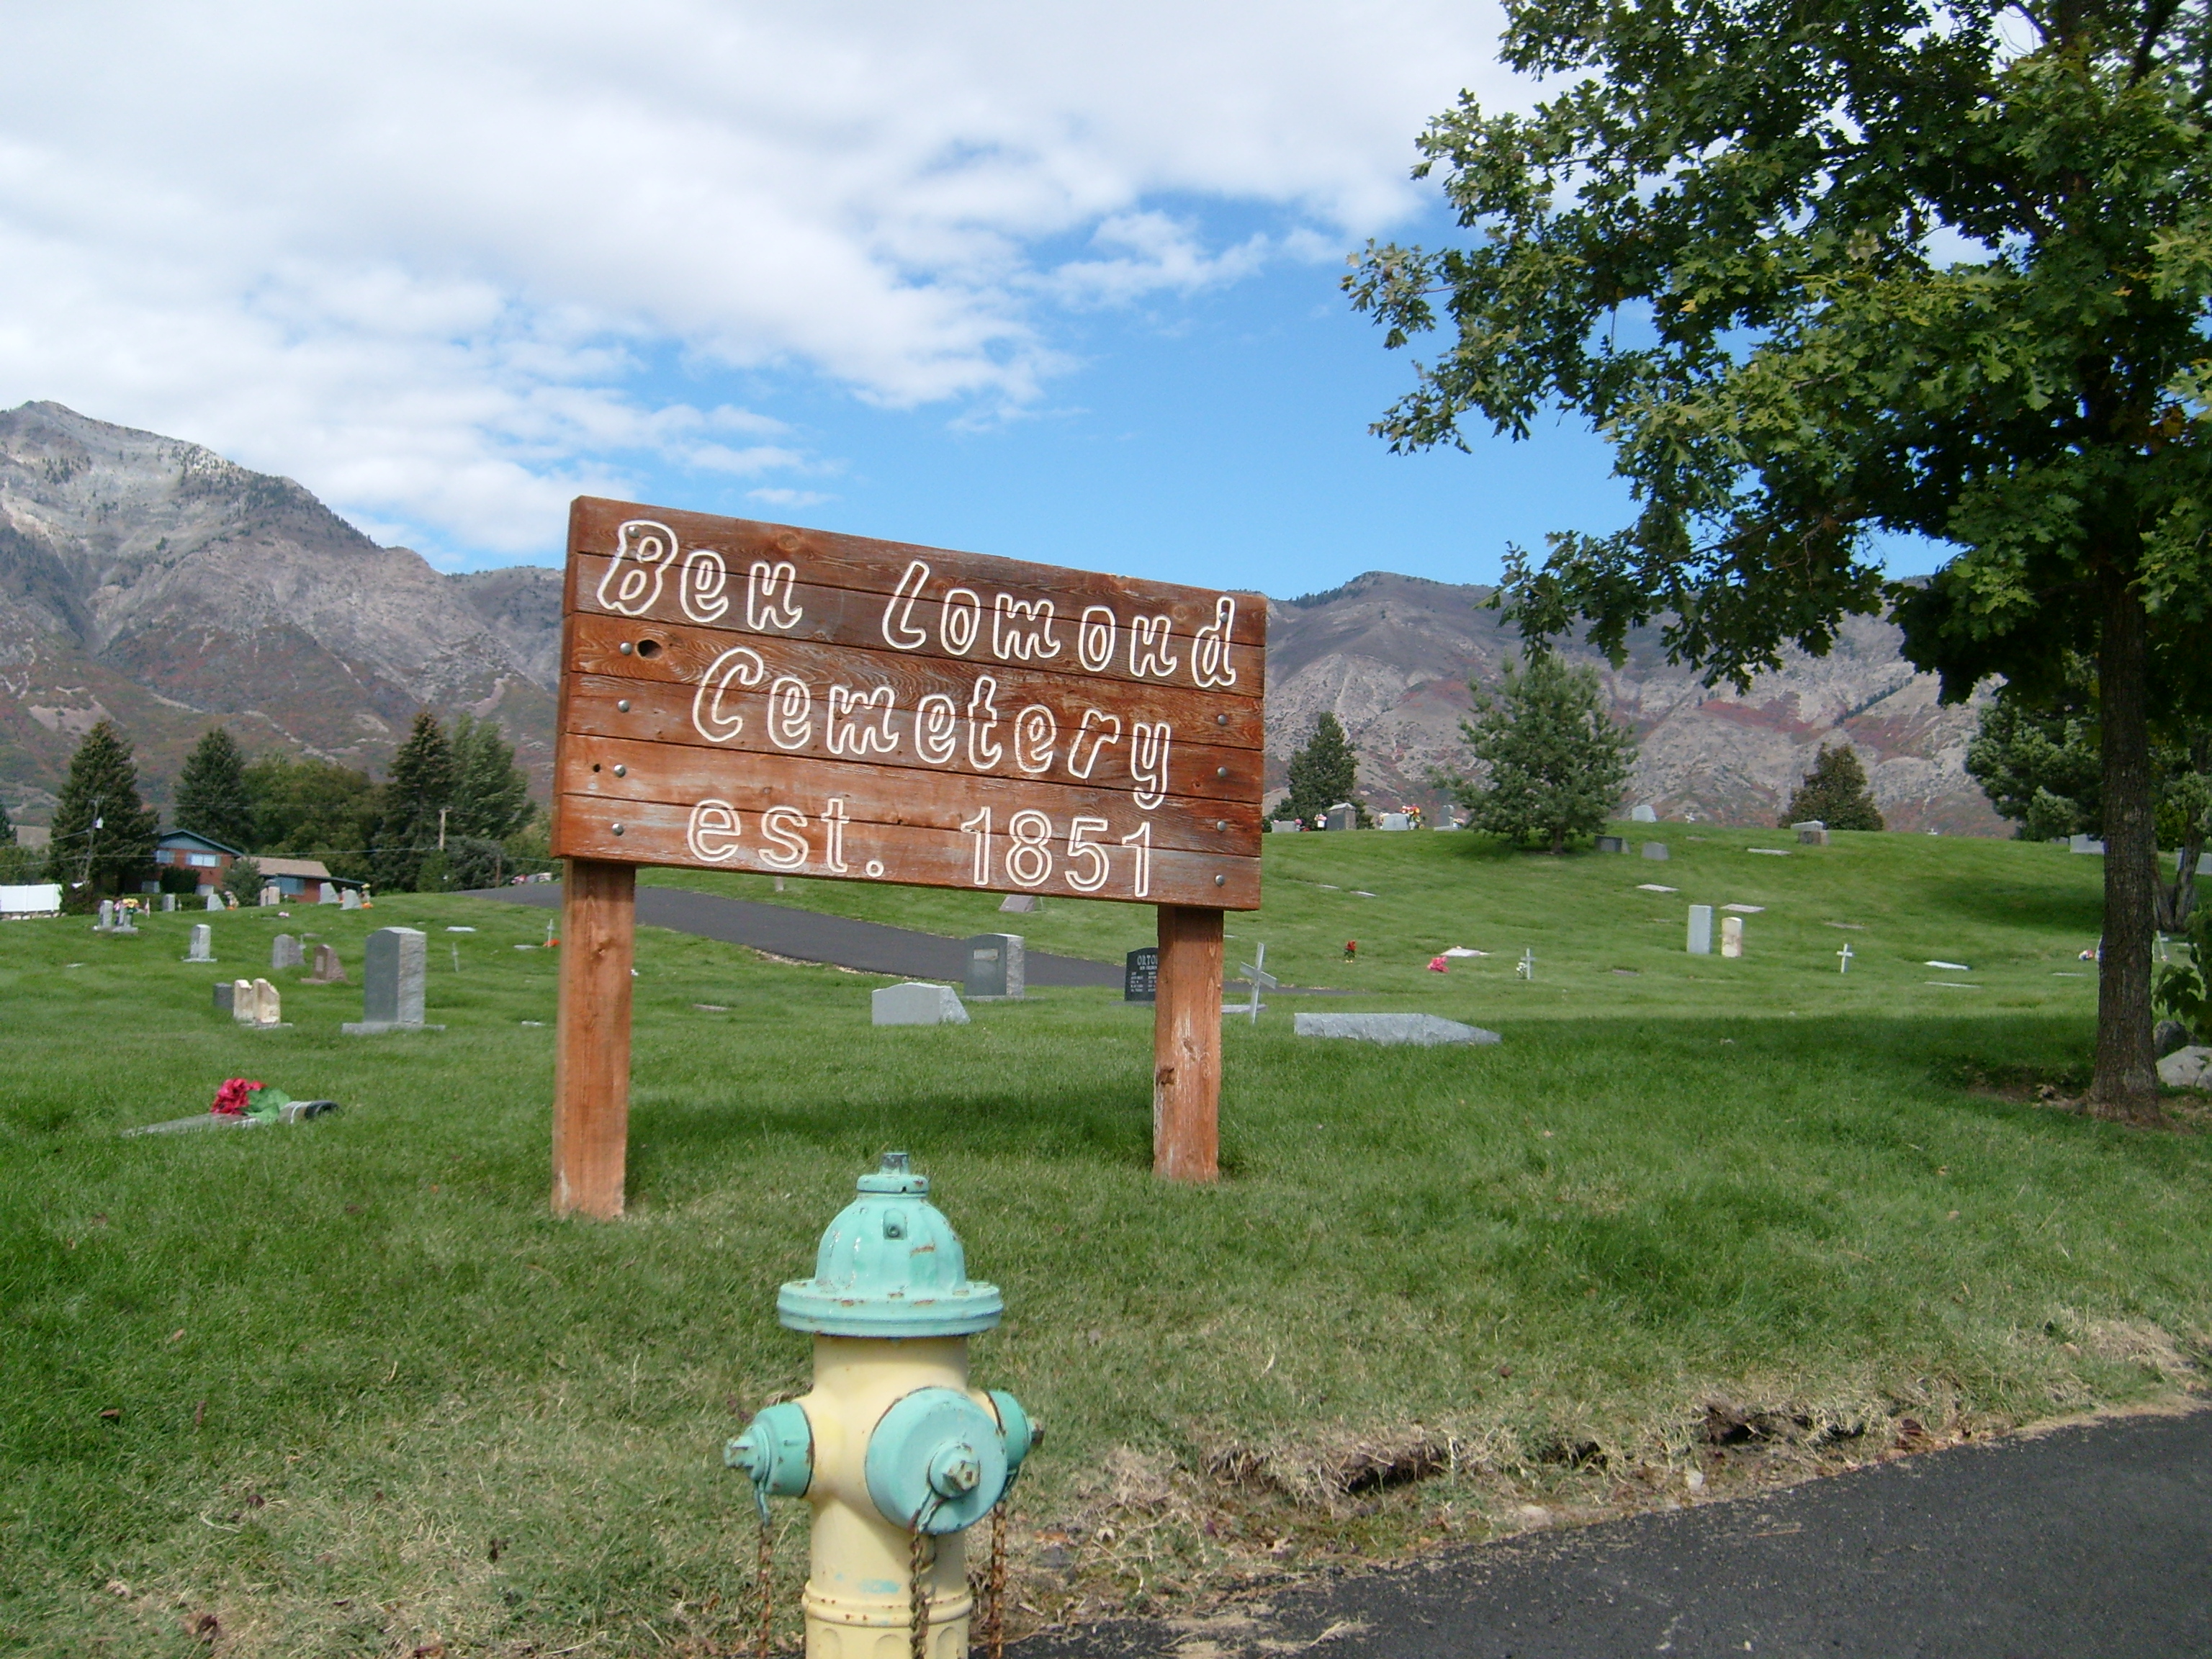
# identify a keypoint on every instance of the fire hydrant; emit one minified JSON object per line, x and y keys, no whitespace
{"x":897,"y":1455}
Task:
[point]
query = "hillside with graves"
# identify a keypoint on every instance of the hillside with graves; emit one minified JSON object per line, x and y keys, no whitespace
{"x":150,"y":579}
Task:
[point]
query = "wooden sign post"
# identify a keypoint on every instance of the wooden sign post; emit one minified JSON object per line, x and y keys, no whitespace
{"x":737,"y":696}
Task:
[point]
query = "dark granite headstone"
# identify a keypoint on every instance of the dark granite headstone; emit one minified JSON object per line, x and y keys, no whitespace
{"x":1140,"y":976}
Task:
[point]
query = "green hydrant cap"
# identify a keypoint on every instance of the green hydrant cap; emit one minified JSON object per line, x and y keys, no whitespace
{"x":891,"y":1265}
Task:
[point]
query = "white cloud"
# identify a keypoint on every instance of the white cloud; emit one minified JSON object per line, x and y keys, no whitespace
{"x":428,"y":257}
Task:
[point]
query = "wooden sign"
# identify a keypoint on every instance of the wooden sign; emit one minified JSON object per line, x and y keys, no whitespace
{"x":737,"y":696}
{"x":750,"y":697}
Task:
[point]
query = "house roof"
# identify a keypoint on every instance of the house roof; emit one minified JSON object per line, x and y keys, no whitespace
{"x":311,"y":867}
{"x":182,"y":837}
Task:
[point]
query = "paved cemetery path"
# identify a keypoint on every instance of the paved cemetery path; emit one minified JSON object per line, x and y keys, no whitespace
{"x":809,"y":936}
{"x":2086,"y":1541}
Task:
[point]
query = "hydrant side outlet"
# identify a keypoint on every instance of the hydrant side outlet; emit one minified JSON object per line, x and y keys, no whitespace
{"x":935,"y":1463}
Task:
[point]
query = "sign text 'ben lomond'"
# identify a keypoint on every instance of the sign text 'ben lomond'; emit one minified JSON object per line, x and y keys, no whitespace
{"x":753,"y":696}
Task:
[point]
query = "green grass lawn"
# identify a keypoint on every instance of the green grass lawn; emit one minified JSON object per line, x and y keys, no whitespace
{"x":346,"y":1389}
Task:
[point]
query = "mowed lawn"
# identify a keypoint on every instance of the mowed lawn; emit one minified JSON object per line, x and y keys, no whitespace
{"x":1694,"y":1225}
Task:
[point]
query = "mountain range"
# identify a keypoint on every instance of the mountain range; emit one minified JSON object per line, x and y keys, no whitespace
{"x":150,"y":580}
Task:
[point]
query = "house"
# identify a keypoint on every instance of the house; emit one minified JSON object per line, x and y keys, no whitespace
{"x":187,"y":849}
{"x":300,"y":877}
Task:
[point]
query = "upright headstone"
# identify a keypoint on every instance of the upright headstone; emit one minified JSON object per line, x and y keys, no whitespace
{"x":107,"y":922}
{"x":1285,"y":827}
{"x":1701,"y":930}
{"x":1731,"y":936}
{"x":226,"y":994}
{"x":203,"y":943}
{"x":329,"y":971}
{"x":1140,"y":976}
{"x":267,"y":1006}
{"x":270,"y":894}
{"x":1018,"y":904}
{"x":330,"y":895}
{"x":1811,"y":833}
{"x":349,"y":899}
{"x":1396,"y":820}
{"x":1656,"y":850}
{"x":1344,"y":815}
{"x":1611,"y":844}
{"x":394,"y":969}
{"x":998,"y":966}
{"x":916,"y":1004}
{"x":1644,"y":814}
{"x":284,"y":952}
{"x":168,"y":904}
{"x":2084,"y":844}
{"x":244,"y":1001}
{"x":215,"y":901}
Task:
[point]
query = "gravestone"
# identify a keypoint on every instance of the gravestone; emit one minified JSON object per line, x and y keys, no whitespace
{"x":270,"y":894}
{"x":1701,"y":930}
{"x":394,"y":967}
{"x":2084,"y":844}
{"x":215,"y":901}
{"x":1612,"y":844}
{"x":1140,"y":976}
{"x":916,"y":1004}
{"x":1655,"y":850}
{"x":1731,"y":936}
{"x":1645,"y":814}
{"x":1422,"y":1030}
{"x":107,"y":922}
{"x":1812,"y":832}
{"x":267,"y":1006}
{"x":243,"y":1001}
{"x":998,"y":967}
{"x":203,"y":943}
{"x":1343,"y":816}
{"x":1285,"y":827}
{"x":349,"y":899}
{"x":168,"y":904}
{"x":284,"y":952}
{"x":330,"y":895}
{"x":225,"y":991}
{"x":1018,"y":904}
{"x":329,"y":971}
{"x":1396,"y":820}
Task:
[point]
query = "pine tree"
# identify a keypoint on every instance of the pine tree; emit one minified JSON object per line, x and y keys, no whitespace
{"x":1835,"y":793}
{"x":212,"y":800}
{"x":1556,"y":762}
{"x":103,"y":834}
{"x":1324,"y":773}
{"x":491,"y":796}
{"x":7,"y":828}
{"x":420,"y":787}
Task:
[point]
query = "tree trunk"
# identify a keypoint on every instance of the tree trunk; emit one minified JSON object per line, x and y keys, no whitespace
{"x":2126,"y":1084}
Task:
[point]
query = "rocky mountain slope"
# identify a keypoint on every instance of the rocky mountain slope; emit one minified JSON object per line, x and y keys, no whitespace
{"x":1391,"y":656}
{"x":154,"y":581}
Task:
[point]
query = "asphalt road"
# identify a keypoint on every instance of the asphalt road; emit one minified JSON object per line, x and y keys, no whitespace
{"x":809,"y":936}
{"x":2084,"y":1542}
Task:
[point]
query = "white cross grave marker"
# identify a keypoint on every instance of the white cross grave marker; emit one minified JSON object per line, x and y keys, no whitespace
{"x":1261,"y":981}
{"x":1526,"y":968}
{"x":1844,"y":959}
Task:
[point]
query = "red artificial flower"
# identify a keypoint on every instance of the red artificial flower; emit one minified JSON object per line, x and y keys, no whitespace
{"x":233,"y":1097}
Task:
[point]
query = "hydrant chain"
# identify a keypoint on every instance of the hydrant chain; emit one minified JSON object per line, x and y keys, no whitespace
{"x":917,"y":1596}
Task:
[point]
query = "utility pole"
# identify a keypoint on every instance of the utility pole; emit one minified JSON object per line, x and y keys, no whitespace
{"x":442,"y":811}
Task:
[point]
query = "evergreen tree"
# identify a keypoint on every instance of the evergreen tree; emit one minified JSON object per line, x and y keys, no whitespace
{"x":7,"y":828}
{"x":1324,"y":773}
{"x":212,"y":800}
{"x":17,"y":863}
{"x":2039,"y":766}
{"x":310,"y":808}
{"x":491,"y":796}
{"x":1835,"y":792}
{"x":1555,"y":762}
{"x":420,"y":787}
{"x":103,"y":834}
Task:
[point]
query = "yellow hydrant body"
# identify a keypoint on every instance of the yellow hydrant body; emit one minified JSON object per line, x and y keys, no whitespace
{"x":896,"y":1454}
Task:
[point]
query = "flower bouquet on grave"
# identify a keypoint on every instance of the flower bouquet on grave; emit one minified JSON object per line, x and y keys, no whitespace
{"x":247,"y":1098}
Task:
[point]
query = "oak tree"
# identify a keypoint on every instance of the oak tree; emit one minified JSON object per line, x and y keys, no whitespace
{"x":1823,"y":270}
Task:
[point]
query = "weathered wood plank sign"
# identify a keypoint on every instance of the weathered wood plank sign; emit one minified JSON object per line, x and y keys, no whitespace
{"x":736,"y":695}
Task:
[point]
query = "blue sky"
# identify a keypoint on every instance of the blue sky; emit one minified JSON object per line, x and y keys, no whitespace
{"x":1054,"y":283}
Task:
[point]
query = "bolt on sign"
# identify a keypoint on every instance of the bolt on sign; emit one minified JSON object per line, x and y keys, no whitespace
{"x":736,"y":695}
{"x":749,"y":696}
